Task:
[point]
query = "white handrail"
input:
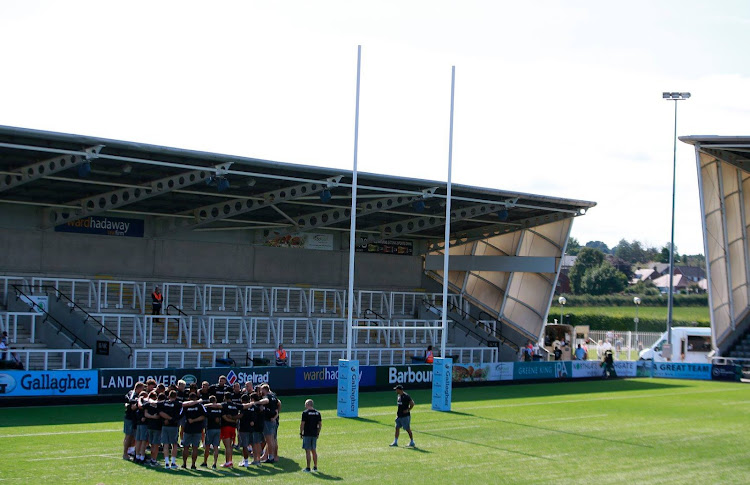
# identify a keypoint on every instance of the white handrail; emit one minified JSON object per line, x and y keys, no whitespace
{"x":84,"y":357}
{"x":392,"y":356}
{"x":8,"y":319}
{"x":182,"y":353}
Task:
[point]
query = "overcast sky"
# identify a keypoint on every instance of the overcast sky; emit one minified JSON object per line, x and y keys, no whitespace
{"x":555,"y":98}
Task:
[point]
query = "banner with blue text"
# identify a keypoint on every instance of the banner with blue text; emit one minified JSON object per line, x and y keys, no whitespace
{"x":348,"y":389}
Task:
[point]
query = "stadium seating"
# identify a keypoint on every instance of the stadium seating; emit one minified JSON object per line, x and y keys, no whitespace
{"x":205,"y":321}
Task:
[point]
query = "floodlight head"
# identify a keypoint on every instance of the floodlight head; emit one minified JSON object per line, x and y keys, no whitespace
{"x":223,"y":184}
{"x":562,"y":300}
{"x":685,"y":95}
{"x":418,"y":205}
{"x":666,"y":95}
{"x":502,"y":214}
{"x":84,"y":169}
{"x":325,"y":196}
{"x":636,"y":300}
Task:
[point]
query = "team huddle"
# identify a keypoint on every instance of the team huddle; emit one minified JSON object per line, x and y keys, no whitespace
{"x":242,"y":419}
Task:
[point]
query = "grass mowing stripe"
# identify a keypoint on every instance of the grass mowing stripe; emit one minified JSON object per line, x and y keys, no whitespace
{"x":24,"y":435}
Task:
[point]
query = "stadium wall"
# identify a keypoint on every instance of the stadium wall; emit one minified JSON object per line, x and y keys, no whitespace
{"x":229,"y":256}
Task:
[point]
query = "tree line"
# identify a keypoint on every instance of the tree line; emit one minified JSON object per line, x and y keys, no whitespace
{"x":599,"y":270}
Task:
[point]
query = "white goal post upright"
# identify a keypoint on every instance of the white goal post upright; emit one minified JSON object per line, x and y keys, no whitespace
{"x":348,"y":388}
{"x":442,"y":373}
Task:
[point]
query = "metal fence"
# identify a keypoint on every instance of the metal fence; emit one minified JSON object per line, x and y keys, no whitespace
{"x":626,"y":343}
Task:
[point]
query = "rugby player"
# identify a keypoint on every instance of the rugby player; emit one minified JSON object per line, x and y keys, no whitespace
{"x":131,"y":404}
{"x":194,"y":415}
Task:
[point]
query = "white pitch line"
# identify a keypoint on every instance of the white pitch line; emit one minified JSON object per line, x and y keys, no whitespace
{"x":112,"y":455}
{"x":572,"y":417}
{"x":3,"y":436}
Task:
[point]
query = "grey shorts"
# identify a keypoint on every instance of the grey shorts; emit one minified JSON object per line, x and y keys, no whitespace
{"x":141,"y":433}
{"x":269,"y":428}
{"x":127,"y":427}
{"x":309,"y":442}
{"x":191,"y":439}
{"x":213,"y":437}
{"x":257,"y":437}
{"x":154,"y":436}
{"x":169,"y":435}
{"x":245,"y":439}
{"x":404,"y":422}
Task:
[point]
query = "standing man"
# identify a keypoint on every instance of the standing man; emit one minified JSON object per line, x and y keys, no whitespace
{"x":213,"y":431}
{"x":403,"y":414}
{"x":129,"y":422}
{"x":309,"y":430}
{"x":580,"y":353}
{"x":156,"y":301}
{"x":428,"y":356}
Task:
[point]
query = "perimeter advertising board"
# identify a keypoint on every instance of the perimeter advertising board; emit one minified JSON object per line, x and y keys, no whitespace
{"x":678,"y":370}
{"x":48,"y":383}
{"x":442,"y":384}
{"x":592,"y":368}
{"x":328,"y":377}
{"x":727,"y":372}
{"x":542,"y":370}
{"x":120,"y":381}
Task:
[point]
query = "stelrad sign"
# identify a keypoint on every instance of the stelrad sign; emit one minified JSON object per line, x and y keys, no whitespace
{"x":48,"y":383}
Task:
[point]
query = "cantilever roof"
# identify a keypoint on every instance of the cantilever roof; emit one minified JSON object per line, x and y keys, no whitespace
{"x":732,"y":149}
{"x":148,"y":180}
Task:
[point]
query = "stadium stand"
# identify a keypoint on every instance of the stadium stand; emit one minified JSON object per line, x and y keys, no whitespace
{"x":245,"y":323}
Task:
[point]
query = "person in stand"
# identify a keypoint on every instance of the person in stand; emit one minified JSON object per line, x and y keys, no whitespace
{"x":580,"y":353}
{"x":309,"y":430}
{"x":281,"y":357}
{"x":558,"y":353}
{"x":403,"y":414}
{"x":428,"y":356}
{"x":195,"y":415}
{"x":4,"y":346}
{"x":156,"y":301}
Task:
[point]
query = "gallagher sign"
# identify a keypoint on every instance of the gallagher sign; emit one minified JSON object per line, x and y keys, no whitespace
{"x":104,"y":226}
{"x":48,"y":383}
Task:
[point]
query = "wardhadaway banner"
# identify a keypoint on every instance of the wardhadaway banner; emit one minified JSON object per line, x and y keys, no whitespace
{"x":104,"y":226}
{"x":328,"y":377}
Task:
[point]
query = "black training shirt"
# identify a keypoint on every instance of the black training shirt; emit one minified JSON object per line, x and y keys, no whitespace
{"x":310,"y":419}
{"x":229,"y":409}
{"x":403,"y":405}
{"x":173,"y":409}
{"x":193,"y":412}
{"x":153,"y":424}
{"x":213,"y":415}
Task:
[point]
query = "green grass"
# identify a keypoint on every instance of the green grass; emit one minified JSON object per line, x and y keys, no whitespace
{"x":620,"y":431}
{"x":682,"y":314}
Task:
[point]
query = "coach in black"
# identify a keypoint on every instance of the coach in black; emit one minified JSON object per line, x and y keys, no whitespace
{"x":403,"y":414}
{"x":309,"y":430}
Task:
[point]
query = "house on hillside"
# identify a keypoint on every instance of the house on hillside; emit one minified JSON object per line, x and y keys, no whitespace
{"x":680,"y":283}
{"x":644,"y":275}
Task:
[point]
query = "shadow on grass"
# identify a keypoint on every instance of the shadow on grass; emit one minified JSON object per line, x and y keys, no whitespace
{"x":284,"y":465}
{"x":552,"y":430}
